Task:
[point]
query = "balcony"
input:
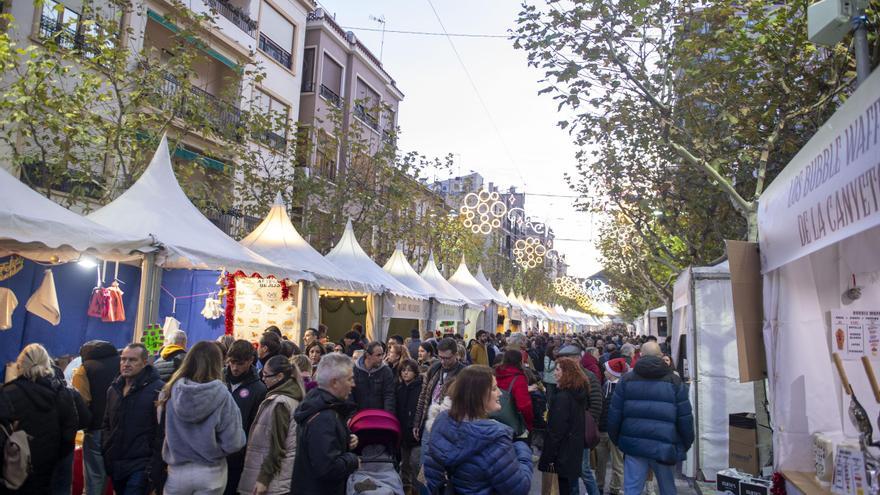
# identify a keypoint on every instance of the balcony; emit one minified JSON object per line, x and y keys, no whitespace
{"x":78,"y":183}
{"x":232,"y":222}
{"x":275,"y":140}
{"x":361,"y":112}
{"x":275,"y":51}
{"x":183,"y":99}
{"x":330,"y":96}
{"x":67,"y":36}
{"x":235,"y":15}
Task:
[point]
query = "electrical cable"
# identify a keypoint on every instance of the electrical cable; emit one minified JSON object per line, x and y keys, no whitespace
{"x":426,"y":33}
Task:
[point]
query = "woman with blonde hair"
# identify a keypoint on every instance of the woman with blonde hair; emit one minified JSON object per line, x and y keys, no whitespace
{"x":271,"y":450}
{"x":394,"y":357}
{"x":202,"y":424}
{"x":41,"y":406}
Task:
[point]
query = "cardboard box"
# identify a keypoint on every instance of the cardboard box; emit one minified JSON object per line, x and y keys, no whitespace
{"x":727,"y":482}
{"x":743,"y":443}
{"x":748,"y":309}
{"x":754,"y":486}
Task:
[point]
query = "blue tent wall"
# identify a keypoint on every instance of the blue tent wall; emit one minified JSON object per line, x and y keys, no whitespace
{"x":188,"y":311}
{"x":73,"y":285}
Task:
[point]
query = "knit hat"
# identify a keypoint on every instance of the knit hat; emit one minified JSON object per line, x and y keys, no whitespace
{"x":570,"y":350}
{"x":617,"y":367}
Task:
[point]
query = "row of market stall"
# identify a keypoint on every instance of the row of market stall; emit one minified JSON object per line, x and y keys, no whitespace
{"x":149,"y":261}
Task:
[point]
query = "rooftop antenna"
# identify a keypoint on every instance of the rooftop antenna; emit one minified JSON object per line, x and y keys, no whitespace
{"x":380,"y":20}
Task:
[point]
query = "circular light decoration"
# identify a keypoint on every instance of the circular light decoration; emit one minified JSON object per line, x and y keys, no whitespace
{"x":529,"y":252}
{"x":481,"y":212}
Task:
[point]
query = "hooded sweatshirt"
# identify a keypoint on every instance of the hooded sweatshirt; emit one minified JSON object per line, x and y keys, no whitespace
{"x":202,"y":424}
{"x":479,"y":456}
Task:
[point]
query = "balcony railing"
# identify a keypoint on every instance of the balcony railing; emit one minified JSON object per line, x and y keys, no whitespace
{"x":183,"y":99}
{"x":67,"y":36}
{"x":38,"y":175}
{"x":275,"y":51}
{"x":361,"y":112}
{"x":307,"y":86}
{"x":275,"y":140}
{"x":232,"y":222}
{"x":330,"y":96}
{"x":235,"y":15}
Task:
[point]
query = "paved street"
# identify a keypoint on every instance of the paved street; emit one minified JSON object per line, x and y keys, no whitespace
{"x":681,"y":485}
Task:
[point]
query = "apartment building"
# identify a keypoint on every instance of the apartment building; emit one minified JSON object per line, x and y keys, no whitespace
{"x":342,"y":78}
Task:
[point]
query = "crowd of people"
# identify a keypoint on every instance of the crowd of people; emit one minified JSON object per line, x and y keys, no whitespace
{"x":473,"y":416}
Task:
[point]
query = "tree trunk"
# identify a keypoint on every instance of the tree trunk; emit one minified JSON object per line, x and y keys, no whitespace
{"x":752,"y":222}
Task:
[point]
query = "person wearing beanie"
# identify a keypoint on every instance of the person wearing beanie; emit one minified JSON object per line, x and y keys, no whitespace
{"x":606,"y":450}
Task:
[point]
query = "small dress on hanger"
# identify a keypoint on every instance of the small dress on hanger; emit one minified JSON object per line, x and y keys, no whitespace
{"x":114,"y":310}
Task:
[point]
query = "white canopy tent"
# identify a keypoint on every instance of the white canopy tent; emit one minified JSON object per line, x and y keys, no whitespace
{"x":703,"y":322}
{"x":819,"y":231}
{"x":465,"y":282}
{"x":501,"y":303}
{"x":515,"y":315}
{"x":398,"y":267}
{"x":457,"y":303}
{"x":36,"y":227}
{"x":278,"y":240}
{"x":156,"y":205}
{"x":396,"y":300}
{"x":652,"y":319}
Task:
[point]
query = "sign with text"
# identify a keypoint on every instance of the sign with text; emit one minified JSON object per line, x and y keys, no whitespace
{"x":856,"y":333}
{"x":831,"y":189}
{"x":259,"y":304}
{"x":404,"y":308}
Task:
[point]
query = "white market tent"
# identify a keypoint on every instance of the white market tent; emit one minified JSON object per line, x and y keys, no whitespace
{"x":816,"y":243}
{"x":36,"y":227}
{"x":459,"y":304}
{"x":703,"y":327}
{"x":396,"y":301}
{"x":652,"y":320}
{"x":500,"y":303}
{"x":156,"y":205}
{"x":465,"y":282}
{"x":398,"y":267}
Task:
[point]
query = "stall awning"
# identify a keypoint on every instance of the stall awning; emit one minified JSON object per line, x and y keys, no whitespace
{"x":444,"y":289}
{"x":469,"y":286}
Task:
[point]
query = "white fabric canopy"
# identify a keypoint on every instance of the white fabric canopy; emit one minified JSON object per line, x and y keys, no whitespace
{"x":497,"y":296}
{"x":468,"y":285}
{"x":398,"y":267}
{"x":444,"y":289}
{"x":34,"y":225}
{"x":156,"y":205}
{"x":278,"y":240}
{"x":350,"y":257}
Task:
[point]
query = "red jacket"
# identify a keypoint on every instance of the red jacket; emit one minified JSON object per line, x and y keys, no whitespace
{"x":504,"y":375}
{"x":590,"y":363}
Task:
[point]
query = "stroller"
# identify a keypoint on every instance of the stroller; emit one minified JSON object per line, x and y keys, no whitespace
{"x":378,"y":435}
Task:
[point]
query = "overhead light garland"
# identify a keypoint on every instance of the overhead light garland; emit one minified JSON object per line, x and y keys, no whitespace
{"x":481,"y":212}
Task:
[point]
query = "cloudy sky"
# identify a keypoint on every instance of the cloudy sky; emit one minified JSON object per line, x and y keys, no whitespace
{"x":493,"y":121}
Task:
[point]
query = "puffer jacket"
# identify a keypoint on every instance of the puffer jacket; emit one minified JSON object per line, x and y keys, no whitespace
{"x":479,"y":457}
{"x":564,"y":444}
{"x":169,"y":361}
{"x":271,"y":448}
{"x":323,"y":462}
{"x":504,"y":375}
{"x":100,"y":360}
{"x":202,"y":424}
{"x":407,"y":402}
{"x":130,"y":423}
{"x":248,"y":393}
{"x":650,"y":414}
{"x":373,"y":389}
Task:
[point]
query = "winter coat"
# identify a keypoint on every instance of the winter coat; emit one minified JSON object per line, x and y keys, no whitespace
{"x":373,"y":389}
{"x":591,"y":364}
{"x":479,"y":355}
{"x":504,"y":375}
{"x":130,"y":423}
{"x":564,"y":442}
{"x":271,"y":448}
{"x":202,"y":424}
{"x":549,"y":368}
{"x":323,"y":462}
{"x":607,"y":393}
{"x":650,"y":414}
{"x":594,"y":404}
{"x":45,"y":410}
{"x":413,"y":347}
{"x":248,"y":394}
{"x":101,"y":363}
{"x":432,"y":379}
{"x":479,"y":457}
{"x":537,"y":356}
{"x":169,"y":361}
{"x":407,"y":400}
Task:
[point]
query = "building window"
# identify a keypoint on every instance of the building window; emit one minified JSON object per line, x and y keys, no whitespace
{"x":367,"y":105}
{"x":325,"y":158}
{"x":279,"y":115}
{"x":276,"y":36}
{"x":67,"y":28}
{"x":308,"y":71}
{"x":331,"y":81}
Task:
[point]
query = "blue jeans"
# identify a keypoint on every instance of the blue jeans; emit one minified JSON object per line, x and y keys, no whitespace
{"x":587,"y":476}
{"x":93,"y":463}
{"x":134,"y":484}
{"x":635,"y":472}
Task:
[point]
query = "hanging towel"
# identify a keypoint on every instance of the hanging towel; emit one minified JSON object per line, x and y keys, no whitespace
{"x":8,"y":303}
{"x":44,"y":302}
{"x":114,"y":310}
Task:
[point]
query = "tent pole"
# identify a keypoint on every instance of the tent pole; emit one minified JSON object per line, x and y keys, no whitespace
{"x":303,"y":312}
{"x":148,"y":307}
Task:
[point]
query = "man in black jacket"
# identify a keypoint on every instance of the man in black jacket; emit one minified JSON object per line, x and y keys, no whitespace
{"x":248,"y":393}
{"x":130,"y":422}
{"x":324,"y":460}
{"x":100,"y":366}
{"x":374,"y":380}
{"x":437,"y":381}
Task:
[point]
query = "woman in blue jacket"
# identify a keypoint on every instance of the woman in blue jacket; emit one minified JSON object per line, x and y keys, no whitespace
{"x":476,"y":454}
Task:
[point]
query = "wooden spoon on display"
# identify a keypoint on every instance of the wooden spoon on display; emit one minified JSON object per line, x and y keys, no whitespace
{"x":872,"y":378}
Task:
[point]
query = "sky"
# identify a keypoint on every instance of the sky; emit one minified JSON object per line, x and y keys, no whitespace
{"x":497,"y":124}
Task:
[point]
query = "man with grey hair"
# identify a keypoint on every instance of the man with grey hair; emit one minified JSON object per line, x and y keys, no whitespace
{"x":653,"y":393}
{"x":171,"y":355}
{"x":324,"y":460}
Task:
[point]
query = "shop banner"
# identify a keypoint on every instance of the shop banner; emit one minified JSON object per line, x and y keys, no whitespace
{"x":405,"y":308}
{"x":260,"y":303}
{"x":516,"y":314}
{"x":831,"y":189}
{"x":446,"y":312}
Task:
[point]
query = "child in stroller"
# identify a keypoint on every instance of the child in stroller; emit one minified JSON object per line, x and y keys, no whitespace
{"x":378,"y":435}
